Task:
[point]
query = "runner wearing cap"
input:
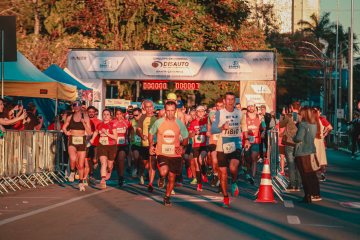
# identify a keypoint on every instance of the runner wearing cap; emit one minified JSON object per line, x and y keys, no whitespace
{"x":198,"y":130}
{"x":135,"y":142}
{"x":254,"y":126}
{"x":229,"y":123}
{"x":78,"y":124}
{"x":168,"y":149}
{"x":213,"y":139}
{"x":171,"y":97}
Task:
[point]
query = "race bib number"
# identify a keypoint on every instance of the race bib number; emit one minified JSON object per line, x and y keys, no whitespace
{"x":216,"y":137}
{"x":104,"y":140}
{"x":121,"y":130}
{"x":121,"y":140}
{"x":229,"y":147}
{"x":168,"y":149}
{"x":251,"y":139}
{"x":232,"y":132}
{"x":137,"y":139}
{"x":199,"y":138}
{"x":77,"y":140}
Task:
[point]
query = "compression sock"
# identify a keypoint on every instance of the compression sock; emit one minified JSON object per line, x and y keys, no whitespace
{"x":203,"y":169}
{"x":198,"y":177}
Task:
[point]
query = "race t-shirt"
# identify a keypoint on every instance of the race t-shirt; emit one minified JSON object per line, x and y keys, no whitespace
{"x":168,"y":136}
{"x":104,"y":139}
{"x":324,"y":122}
{"x":253,"y":125}
{"x":201,"y":139}
{"x":137,"y":139}
{"x":122,"y":130}
{"x":94,"y":122}
{"x":145,"y":123}
{"x":214,"y":137}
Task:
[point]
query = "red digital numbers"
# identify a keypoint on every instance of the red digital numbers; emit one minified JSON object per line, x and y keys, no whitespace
{"x":154,"y":86}
{"x":189,"y":85}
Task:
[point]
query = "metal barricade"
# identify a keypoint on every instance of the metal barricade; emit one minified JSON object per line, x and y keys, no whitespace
{"x":54,"y":156}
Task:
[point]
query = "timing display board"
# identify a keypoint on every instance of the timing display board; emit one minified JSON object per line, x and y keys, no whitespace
{"x":155,"y":86}
{"x":187,"y":85}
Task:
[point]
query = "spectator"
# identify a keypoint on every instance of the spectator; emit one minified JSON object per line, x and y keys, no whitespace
{"x":4,"y":119}
{"x":355,"y":134}
{"x":56,"y":125}
{"x":35,"y":122}
{"x":266,"y":118}
{"x":305,"y":147}
{"x":281,"y":149}
{"x":289,"y":121}
{"x":238,"y":106}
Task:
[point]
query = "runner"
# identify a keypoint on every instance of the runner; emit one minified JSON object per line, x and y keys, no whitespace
{"x":171,"y":97}
{"x":188,"y":155}
{"x":219,"y":104}
{"x":168,"y":149}
{"x":123,"y":129}
{"x":130,"y":155}
{"x":135,"y":142}
{"x":198,"y":130}
{"x":106,"y":147}
{"x":78,"y":124}
{"x":229,"y":122}
{"x":144,"y":124}
{"x":253,"y":122}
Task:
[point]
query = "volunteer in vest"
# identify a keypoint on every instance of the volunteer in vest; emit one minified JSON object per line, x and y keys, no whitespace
{"x":78,"y":124}
{"x":135,"y":142}
{"x":123,"y":129}
{"x":171,"y":97}
{"x":107,"y":146}
{"x":168,"y":149}
{"x":198,"y":130}
{"x":213,"y":139}
{"x":144,"y":124}
{"x":229,"y":122}
{"x":253,"y":122}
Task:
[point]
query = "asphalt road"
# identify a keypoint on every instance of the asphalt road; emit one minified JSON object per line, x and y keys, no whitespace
{"x":60,"y":211}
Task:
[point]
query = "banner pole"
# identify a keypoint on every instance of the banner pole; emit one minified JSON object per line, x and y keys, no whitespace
{"x":2,"y":64}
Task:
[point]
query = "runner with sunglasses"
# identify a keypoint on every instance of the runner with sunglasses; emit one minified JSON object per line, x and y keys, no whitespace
{"x":78,"y":124}
{"x":135,"y":142}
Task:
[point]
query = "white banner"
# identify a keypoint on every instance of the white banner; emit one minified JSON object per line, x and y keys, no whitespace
{"x":105,"y":64}
{"x":117,"y":103}
{"x":234,"y":65}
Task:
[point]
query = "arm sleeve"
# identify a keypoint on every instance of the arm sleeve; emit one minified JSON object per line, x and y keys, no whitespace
{"x":183,"y":131}
{"x":300,"y":134}
{"x":215,"y":124}
{"x":155,"y":126}
{"x":243,"y":124}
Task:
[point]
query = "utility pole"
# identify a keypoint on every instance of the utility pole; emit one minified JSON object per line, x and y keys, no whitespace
{"x":340,"y":77}
{"x":336,"y":70}
{"x":351,"y":102}
{"x":325,"y":88}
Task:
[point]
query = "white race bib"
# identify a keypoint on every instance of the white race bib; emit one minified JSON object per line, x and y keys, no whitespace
{"x":229,"y":147}
{"x":168,"y":149}
{"x":77,"y":140}
{"x":216,"y":137}
{"x":251,"y":139}
{"x":137,"y":139}
{"x":121,"y":140}
{"x":104,"y":140}
{"x":199,"y":138}
{"x":121,"y":130}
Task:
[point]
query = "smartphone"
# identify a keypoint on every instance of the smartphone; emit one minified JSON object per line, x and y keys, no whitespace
{"x":295,"y":116}
{"x":20,"y":103}
{"x":40,"y":116}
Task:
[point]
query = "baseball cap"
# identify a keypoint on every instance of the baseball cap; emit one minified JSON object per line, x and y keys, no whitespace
{"x":200,"y":107}
{"x":250,"y":102}
{"x":179,"y":104}
{"x":171,"y":96}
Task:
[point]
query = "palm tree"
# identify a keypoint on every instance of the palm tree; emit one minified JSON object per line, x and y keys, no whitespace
{"x":320,"y":28}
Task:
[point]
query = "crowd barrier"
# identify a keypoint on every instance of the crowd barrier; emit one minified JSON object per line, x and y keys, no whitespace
{"x":30,"y":157}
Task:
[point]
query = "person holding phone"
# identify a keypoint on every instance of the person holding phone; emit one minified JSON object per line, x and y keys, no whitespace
{"x":33,"y":121}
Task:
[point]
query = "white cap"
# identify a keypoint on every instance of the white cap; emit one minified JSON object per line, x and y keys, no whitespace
{"x":250,"y":102}
{"x":200,"y":107}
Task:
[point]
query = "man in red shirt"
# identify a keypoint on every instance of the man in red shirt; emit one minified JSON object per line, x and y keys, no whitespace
{"x":92,"y":156}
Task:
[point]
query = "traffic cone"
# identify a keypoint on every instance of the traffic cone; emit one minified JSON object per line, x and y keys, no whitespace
{"x":266,"y":193}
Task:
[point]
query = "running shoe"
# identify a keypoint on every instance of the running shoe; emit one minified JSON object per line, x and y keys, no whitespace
{"x":128,"y":170}
{"x":189,"y":173}
{"x":71,"y":177}
{"x":172,"y":192}
{"x":226,"y":203}
{"x":77,"y":177}
{"x":199,"y":187}
{"x":150,"y":187}
{"x":194,"y":181}
{"x":218,"y":183}
{"x":322,"y":179}
{"x":167,"y":201}
{"x":251,"y":180}
{"x":204,"y":178}
{"x":121,"y":181}
{"x":241,"y":172}
{"x":220,"y":191}
{"x":209,"y":172}
{"x":134,"y":173}
{"x":85,"y":183}
{"x":108,"y":175}
{"x":290,"y":188}
{"x":147,"y":178}
{"x":316,"y":199}
{"x":214,"y":180}
{"x":141,"y":182}
{"x":234,"y":189}
{"x":161,"y":182}
{"x":81,"y":187}
{"x":282,"y":173}
{"x":103,"y":184}
{"x":297,"y":189}
{"x":178,"y":184}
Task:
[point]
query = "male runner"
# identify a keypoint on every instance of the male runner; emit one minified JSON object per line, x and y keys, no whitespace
{"x":171,"y":97}
{"x":92,"y":157}
{"x":144,"y":124}
{"x":219,"y":104}
{"x":229,"y":122}
{"x":135,"y":142}
{"x":253,"y":122}
{"x":168,"y":149}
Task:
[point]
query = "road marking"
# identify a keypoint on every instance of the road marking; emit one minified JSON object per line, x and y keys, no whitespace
{"x":293,"y":219}
{"x":186,"y":198}
{"x":317,"y":225}
{"x":31,"y":197}
{"x":51,"y":207}
{"x":288,"y":203}
{"x":350,"y":204}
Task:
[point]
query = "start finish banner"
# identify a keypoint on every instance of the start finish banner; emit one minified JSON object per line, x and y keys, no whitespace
{"x":261,"y":92}
{"x":164,"y":65}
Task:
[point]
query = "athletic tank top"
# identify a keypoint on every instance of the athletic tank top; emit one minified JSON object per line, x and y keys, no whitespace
{"x":253,"y":129}
{"x":76,"y":125}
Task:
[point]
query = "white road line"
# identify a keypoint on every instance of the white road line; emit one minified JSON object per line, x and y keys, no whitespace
{"x":288,"y":203}
{"x":317,"y":225}
{"x":293,"y":219}
{"x":50,"y":207}
{"x":30,"y":197}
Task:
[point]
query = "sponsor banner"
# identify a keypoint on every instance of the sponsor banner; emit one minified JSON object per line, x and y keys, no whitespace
{"x":262,"y":92}
{"x":117,"y":103}
{"x":165,"y":65}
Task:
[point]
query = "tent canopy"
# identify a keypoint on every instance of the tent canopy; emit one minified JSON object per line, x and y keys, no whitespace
{"x":55,"y":72}
{"x":23,"y":79}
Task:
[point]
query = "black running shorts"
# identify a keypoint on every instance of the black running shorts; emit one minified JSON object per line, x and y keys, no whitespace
{"x":212,"y":148}
{"x":80,"y":146}
{"x":108,"y":151}
{"x":124,"y":148}
{"x":224,"y":159}
{"x":198,"y":150}
{"x":174,"y":163}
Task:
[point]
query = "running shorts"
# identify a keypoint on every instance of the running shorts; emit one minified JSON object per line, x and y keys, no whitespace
{"x":91,"y":152}
{"x":145,"y":153}
{"x":124,"y":148}
{"x":174,"y":163}
{"x":108,"y":151}
{"x":224,"y":158}
{"x":212,"y":148}
{"x":80,"y":146}
{"x":198,"y":150}
{"x":136,"y":148}
{"x":189,"y":149}
{"x":254,"y":148}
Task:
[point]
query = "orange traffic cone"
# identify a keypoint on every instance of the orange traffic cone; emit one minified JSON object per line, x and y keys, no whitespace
{"x":266,"y":193}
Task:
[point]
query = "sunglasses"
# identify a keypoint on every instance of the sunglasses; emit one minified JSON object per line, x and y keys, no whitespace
{"x":76,"y":104}
{"x":136,"y":115}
